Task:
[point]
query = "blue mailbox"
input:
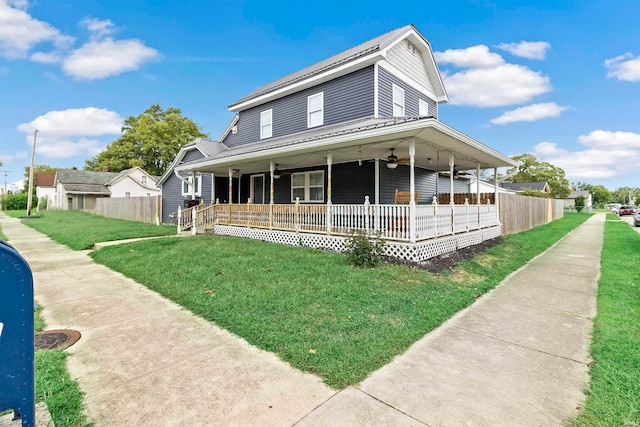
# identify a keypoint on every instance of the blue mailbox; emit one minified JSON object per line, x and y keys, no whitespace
{"x":17,"y":373}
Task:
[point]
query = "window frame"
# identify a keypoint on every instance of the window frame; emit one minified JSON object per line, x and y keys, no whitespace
{"x":307,"y":187}
{"x":320,"y":110}
{"x":395,"y":102}
{"x":189,"y":183}
{"x":264,"y":124}
{"x":143,"y":180}
{"x":422,"y":102}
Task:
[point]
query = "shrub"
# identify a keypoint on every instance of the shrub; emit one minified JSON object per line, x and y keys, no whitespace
{"x":579,"y":202}
{"x":364,"y":250}
{"x":14,"y":202}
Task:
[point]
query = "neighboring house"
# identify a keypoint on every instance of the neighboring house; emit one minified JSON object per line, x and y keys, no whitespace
{"x":520,"y":187}
{"x":303,"y":153}
{"x":77,"y":189}
{"x":570,"y":200}
{"x":133,"y":182}
{"x":45,"y":187}
{"x":482,"y":186}
{"x":176,"y":189}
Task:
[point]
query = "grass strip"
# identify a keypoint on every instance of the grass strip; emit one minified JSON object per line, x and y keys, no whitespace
{"x":310,"y":307}
{"x":614,"y":392}
{"x":81,"y":230}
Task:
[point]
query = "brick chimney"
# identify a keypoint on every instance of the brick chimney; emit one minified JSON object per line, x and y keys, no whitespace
{"x":105,"y":169}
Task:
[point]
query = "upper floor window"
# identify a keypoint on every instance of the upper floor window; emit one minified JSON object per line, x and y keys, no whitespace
{"x":144,"y":180}
{"x":315,"y":110}
{"x":398,"y":101}
{"x":266,"y":119}
{"x":187,"y":185}
{"x":127,"y":194}
{"x":308,"y":186}
{"x":423,"y":107}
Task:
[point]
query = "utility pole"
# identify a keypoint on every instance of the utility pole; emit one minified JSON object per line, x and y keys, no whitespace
{"x":5,"y":181}
{"x":33,"y":153}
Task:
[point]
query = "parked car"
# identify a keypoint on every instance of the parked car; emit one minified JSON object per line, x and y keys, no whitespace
{"x":636,"y":219}
{"x":614,"y":207}
{"x":626,"y":210}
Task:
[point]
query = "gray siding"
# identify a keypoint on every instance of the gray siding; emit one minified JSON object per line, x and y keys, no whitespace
{"x":411,"y":96}
{"x":172,"y":189}
{"x":345,"y":98}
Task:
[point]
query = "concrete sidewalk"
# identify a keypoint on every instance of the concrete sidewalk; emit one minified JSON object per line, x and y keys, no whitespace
{"x":518,"y":356}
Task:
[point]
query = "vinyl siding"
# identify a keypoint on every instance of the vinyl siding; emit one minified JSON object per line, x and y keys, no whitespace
{"x":345,"y":98}
{"x":425,"y":182}
{"x":386,"y":80}
{"x":410,"y":64}
{"x":172,"y":197}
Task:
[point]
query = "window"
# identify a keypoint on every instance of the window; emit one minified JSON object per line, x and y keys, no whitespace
{"x":315,"y":110}
{"x":411,"y":48}
{"x":398,"y":101}
{"x":186,"y":186}
{"x":234,"y":130}
{"x":266,"y":118}
{"x":309,"y":186}
{"x":127,"y":194}
{"x":144,"y":180}
{"x":423,"y":108}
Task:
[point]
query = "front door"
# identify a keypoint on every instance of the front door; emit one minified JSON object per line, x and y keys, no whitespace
{"x":257,"y":189}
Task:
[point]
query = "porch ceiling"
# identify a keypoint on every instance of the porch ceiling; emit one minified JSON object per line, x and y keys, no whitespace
{"x":364,"y":140}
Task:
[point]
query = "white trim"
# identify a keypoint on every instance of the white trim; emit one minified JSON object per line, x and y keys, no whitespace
{"x":264,"y":124}
{"x":252,"y":188}
{"x":397,"y":102}
{"x":423,"y":103}
{"x":188,"y":181}
{"x":307,"y":186}
{"x":375,"y":90}
{"x":331,"y":74}
{"x":176,"y":161}
{"x":229,"y":127}
{"x":411,"y":82}
{"x":321,"y":110}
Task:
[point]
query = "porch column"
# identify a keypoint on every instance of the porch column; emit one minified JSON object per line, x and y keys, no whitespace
{"x":271,"y":192}
{"x":329,"y":164}
{"x":497,"y":199}
{"x":193,"y":185}
{"x":230,"y":191}
{"x":478,"y":194}
{"x":451,"y":202}
{"x":376,"y":197}
{"x":412,"y":189}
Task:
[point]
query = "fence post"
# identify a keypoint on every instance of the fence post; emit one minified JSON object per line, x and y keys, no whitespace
{"x":329,"y":216}
{"x":216,"y":219}
{"x":194,"y":220}
{"x":412,"y":219}
{"x":466,"y":205}
{"x":367,"y":208}
{"x":435,"y":216}
{"x":179,"y":220}
{"x":296,"y":220}
{"x":248,"y":211}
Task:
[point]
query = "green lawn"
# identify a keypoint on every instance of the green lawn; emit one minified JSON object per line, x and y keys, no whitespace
{"x":310,"y":307}
{"x":80,"y":230}
{"x":614,"y":392}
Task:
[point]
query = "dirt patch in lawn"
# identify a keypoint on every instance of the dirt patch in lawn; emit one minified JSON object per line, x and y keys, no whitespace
{"x":449,"y":260}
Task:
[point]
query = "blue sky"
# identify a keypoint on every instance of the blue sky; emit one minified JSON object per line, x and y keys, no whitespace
{"x":559,"y":79}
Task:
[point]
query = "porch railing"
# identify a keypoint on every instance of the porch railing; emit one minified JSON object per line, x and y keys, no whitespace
{"x":392,"y":222}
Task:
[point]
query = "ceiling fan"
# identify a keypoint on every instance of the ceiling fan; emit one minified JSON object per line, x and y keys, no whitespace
{"x":393,"y":161}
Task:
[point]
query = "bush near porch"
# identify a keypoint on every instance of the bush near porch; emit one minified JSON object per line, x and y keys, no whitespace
{"x":311,"y":307}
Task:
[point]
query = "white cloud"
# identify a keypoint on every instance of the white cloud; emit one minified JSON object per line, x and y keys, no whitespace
{"x":531,"y":113}
{"x":108,"y":57}
{"x":99,"y":28}
{"x":529,"y":50}
{"x":487,"y":80}
{"x":470,"y":57}
{"x":19,"y":32}
{"x":608,"y":154}
{"x":46,"y":57}
{"x":624,"y":67}
{"x":67,"y":133}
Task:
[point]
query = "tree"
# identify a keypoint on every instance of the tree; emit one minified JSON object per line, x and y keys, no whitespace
{"x":580,"y":203}
{"x":36,"y":169}
{"x":601,"y":196}
{"x":150,"y":141}
{"x":533,"y":170}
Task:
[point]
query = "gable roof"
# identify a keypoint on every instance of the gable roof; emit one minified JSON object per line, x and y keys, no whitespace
{"x":84,"y":182}
{"x":521,"y":186}
{"x":207,"y":147}
{"x":126,"y":172}
{"x":45,"y":179}
{"x":343,"y":63}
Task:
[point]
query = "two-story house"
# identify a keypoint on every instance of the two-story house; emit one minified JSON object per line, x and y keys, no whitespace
{"x":326,"y":150}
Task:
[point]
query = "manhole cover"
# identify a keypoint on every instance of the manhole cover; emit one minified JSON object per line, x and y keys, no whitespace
{"x":56,"y":339}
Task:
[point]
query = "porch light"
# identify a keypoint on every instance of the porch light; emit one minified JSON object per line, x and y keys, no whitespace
{"x":276,"y":173}
{"x":392,"y":165}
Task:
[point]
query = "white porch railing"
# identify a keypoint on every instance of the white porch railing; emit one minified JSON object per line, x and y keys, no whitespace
{"x":392,"y":222}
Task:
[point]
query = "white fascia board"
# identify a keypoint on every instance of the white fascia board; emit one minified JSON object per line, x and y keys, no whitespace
{"x":309,"y":82}
{"x":229,"y":127}
{"x":177,"y":161}
{"x":402,"y":76}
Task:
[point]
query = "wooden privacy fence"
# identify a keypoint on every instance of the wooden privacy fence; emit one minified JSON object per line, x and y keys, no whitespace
{"x":521,"y":213}
{"x":142,"y":209}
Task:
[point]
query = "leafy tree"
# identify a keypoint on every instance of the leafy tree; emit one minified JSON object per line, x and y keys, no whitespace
{"x":536,"y":193}
{"x":625,"y":195}
{"x":150,"y":141}
{"x":581,"y":186}
{"x":601,"y":196}
{"x":533,"y":170}
{"x":580,"y":203}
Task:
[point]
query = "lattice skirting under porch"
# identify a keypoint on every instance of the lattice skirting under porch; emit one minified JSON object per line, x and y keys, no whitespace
{"x":410,"y":251}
